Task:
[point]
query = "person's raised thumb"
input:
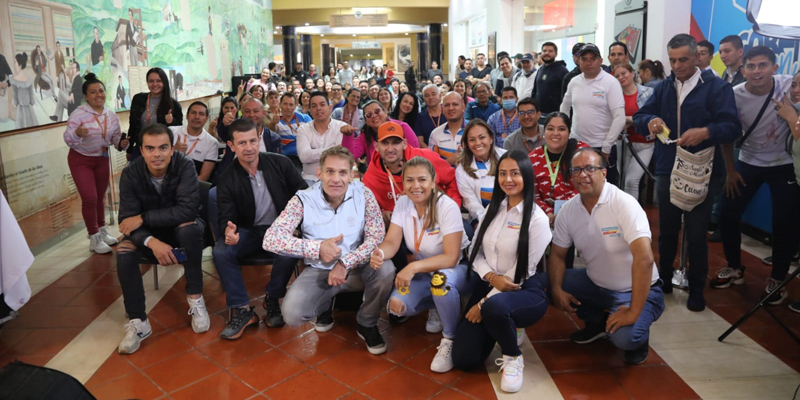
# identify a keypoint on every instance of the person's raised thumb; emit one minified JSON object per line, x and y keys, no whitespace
{"x":231,"y":225}
{"x":339,"y":238}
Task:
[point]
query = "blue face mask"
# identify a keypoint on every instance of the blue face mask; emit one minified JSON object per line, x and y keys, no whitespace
{"x":509,"y":105}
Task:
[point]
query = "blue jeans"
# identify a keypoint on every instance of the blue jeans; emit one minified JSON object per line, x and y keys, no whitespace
{"x":446,"y":297}
{"x":785,"y":192}
{"x":501,"y":315}
{"x":598,"y":303}
{"x":226,"y":258}
{"x":669,"y":227}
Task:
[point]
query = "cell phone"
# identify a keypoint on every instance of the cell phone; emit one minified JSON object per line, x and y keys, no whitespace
{"x":180,"y":255}
{"x":123,"y":136}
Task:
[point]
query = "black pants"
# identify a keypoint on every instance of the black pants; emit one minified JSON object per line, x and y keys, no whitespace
{"x":613,"y":173}
{"x":188,"y":237}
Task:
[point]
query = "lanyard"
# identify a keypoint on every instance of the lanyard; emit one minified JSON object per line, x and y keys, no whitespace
{"x":193,"y":146}
{"x":510,"y":121}
{"x":393,"y":184}
{"x":289,"y":123}
{"x":553,"y":174}
{"x":438,"y":119}
{"x":418,"y":237}
{"x":147,"y":110}
{"x":105,"y":126}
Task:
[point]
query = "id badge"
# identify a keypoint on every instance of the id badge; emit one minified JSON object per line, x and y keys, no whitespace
{"x":557,"y":206}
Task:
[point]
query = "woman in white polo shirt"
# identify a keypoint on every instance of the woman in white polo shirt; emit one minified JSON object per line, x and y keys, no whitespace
{"x":430,"y":221}
{"x":512,"y":237}
{"x":476,"y":167}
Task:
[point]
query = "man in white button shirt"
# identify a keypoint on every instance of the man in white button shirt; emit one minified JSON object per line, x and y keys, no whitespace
{"x":318,"y":135}
{"x":618,"y":294}
{"x":598,"y":107}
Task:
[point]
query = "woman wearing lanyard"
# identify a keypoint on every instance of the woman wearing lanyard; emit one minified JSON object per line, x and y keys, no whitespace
{"x":476,"y":168}
{"x":431,"y":221}
{"x":290,"y":121}
{"x":351,"y":114}
{"x":153,"y":107}
{"x":363,"y":145}
{"x":635,"y":97}
{"x":512,"y":238}
{"x":91,"y":129}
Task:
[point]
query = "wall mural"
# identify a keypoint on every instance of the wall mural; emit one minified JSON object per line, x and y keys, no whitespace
{"x":46,"y":47}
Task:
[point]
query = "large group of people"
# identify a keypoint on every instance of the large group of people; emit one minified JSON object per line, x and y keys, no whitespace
{"x":457,"y":197}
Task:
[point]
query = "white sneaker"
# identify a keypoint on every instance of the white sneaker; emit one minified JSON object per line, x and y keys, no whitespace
{"x":200,"y":320}
{"x":443,"y":361}
{"x":520,"y":336}
{"x":107,"y":239}
{"x":434,"y":324}
{"x":512,"y":373}
{"x":136,"y":331}
{"x":97,"y":245}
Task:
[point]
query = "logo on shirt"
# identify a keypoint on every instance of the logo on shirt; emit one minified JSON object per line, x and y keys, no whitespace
{"x":601,"y":94}
{"x":611,"y":231}
{"x":433,"y":231}
{"x":514,"y":225}
{"x":351,"y":221}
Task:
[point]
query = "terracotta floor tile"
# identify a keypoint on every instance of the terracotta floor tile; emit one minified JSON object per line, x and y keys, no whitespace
{"x":267,"y":370}
{"x":221,"y":386}
{"x":354,"y":367}
{"x":97,"y":296}
{"x":654,"y":383}
{"x":401,"y":383}
{"x":215,"y":303}
{"x":403,"y":344}
{"x":53,"y":296}
{"x":110,"y":279}
{"x":27,"y":359}
{"x":555,"y":325}
{"x":595,"y":385}
{"x":256,"y":286}
{"x":97,"y":264}
{"x":78,"y":279}
{"x":186,"y":333}
{"x":309,"y":385}
{"x":450,"y":394}
{"x":173,"y":316}
{"x":355,"y":396}
{"x":232,"y":352}
{"x":279,"y":336}
{"x":55,"y":317}
{"x":172,"y":297}
{"x":421,"y":363}
{"x":182,"y":370}
{"x":113,"y":368}
{"x":157,"y":348}
{"x":774,"y":339}
{"x":11,"y":336}
{"x":313,"y":348}
{"x":477,"y":384}
{"x":345,"y":326}
{"x":45,"y":341}
{"x":565,"y":356}
{"x":132,"y":386}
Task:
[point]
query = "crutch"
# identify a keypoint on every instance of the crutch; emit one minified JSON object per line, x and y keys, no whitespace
{"x":679,"y":279}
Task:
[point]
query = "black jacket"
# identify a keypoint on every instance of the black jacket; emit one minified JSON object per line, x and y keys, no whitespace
{"x":139,"y":107}
{"x":235,"y":196}
{"x":301,"y":76}
{"x":547,"y":88}
{"x":178,"y":203}
{"x":568,"y":77}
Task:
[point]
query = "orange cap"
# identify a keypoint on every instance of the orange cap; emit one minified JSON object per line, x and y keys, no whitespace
{"x":390,"y":129}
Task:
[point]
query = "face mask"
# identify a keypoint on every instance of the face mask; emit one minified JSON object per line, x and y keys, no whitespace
{"x":509,"y":105}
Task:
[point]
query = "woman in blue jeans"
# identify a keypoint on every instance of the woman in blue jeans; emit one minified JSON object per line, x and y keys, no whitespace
{"x":512,"y":237}
{"x":431,"y":221}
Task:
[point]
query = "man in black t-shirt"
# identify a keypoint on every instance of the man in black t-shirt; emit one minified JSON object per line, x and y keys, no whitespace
{"x":481,"y":71}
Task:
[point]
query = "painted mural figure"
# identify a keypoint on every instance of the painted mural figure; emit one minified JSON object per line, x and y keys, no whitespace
{"x":43,"y":80}
{"x":76,"y":97}
{"x":23,"y":95}
{"x":120,"y":95}
{"x":64,"y":89}
{"x":98,"y":54}
{"x":59,"y":59}
{"x":132,"y":38}
{"x":5,"y":74}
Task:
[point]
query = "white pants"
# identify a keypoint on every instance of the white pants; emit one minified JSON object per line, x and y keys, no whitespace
{"x":632,"y":170}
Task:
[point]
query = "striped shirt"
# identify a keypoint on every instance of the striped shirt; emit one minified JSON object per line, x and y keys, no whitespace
{"x":93,"y":144}
{"x":442,"y":141}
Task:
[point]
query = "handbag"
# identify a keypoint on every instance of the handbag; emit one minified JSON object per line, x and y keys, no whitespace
{"x":691,"y":173}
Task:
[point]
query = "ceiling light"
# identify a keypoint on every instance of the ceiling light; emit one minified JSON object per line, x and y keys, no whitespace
{"x":275,"y":33}
{"x":351,"y":55}
{"x":277,"y":27}
{"x":354,"y":35}
{"x":406,"y":33}
{"x":368,"y":55}
{"x":307,"y":24}
{"x":444,"y":25}
{"x":322,"y":34}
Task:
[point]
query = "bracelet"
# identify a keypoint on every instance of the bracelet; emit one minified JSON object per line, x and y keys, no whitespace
{"x":480,"y":303}
{"x":382,"y":255}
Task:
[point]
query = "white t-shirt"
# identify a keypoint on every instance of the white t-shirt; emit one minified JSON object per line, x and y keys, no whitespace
{"x":310,"y":145}
{"x":448,"y":220}
{"x":604,"y":237}
{"x":200,"y":148}
{"x":766,"y":146}
{"x":592,"y":101}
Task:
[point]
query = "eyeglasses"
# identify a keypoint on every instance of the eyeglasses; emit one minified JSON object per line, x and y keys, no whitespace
{"x":527,"y":113}
{"x":375,"y":113}
{"x":589,"y":169}
{"x":760,"y":66}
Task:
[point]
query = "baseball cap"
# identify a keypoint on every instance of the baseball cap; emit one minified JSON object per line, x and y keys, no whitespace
{"x":527,"y":57}
{"x":577,"y":47}
{"x":518,"y":56}
{"x":589,"y":48}
{"x":390,"y":129}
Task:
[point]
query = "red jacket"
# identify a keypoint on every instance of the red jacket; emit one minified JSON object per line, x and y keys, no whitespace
{"x":377,"y":179}
{"x":563,"y":190}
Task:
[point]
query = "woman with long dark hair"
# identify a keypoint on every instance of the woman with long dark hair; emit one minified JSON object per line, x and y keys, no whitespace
{"x":507,"y":296}
{"x":385,"y":97}
{"x":374,"y":115}
{"x":227,"y":106}
{"x":331,"y":75}
{"x":155,"y":106}
{"x":460,"y":87}
{"x":303,"y":103}
{"x":406,"y":108}
{"x":91,"y":129}
{"x":431,"y":221}
{"x":651,"y":72}
{"x":476,"y":168}
{"x":351,"y":113}
{"x":635,"y":96}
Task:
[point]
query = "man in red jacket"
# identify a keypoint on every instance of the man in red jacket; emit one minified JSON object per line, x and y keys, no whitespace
{"x":384,"y":174}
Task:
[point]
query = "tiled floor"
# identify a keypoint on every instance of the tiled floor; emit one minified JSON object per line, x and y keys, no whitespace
{"x":78,"y":297}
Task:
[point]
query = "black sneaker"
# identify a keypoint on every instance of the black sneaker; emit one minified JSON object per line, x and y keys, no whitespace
{"x":274,"y":318}
{"x":375,"y":343}
{"x":696,"y":301}
{"x":324,"y":321}
{"x":715,"y":237}
{"x":589,"y":334}
{"x":637,"y":356}
{"x":768,"y":260}
{"x":795,"y":307}
{"x":241,"y":318}
{"x":395,"y":320}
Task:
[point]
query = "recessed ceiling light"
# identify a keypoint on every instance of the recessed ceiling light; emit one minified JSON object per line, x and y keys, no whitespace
{"x":368,"y":55}
{"x":406,"y":33}
{"x":277,"y":27}
{"x":307,"y":24}
{"x":322,"y":34}
{"x":444,"y":24}
{"x":275,"y":33}
{"x":354,"y":35}
{"x":351,"y":55}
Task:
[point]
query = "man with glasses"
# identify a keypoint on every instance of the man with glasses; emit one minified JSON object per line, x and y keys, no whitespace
{"x":529,"y":135}
{"x":337,"y":99}
{"x":481,"y":107}
{"x":618,"y":295}
{"x":431,"y":116}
